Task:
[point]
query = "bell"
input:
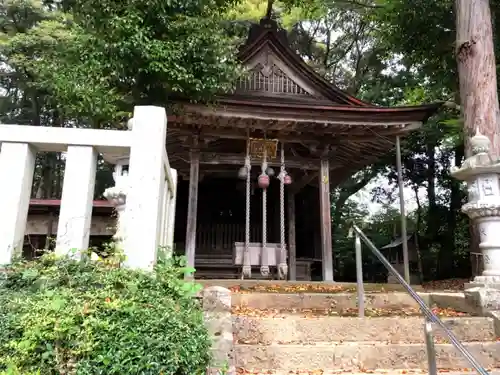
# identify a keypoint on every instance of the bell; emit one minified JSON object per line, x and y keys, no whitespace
{"x":270,"y":172}
{"x":242,"y":173}
{"x":263,"y":181}
{"x":287,"y":180}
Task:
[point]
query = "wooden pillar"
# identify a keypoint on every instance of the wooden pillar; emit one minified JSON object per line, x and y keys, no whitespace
{"x":326,"y":221}
{"x":192,"y":212}
{"x":292,"y":247}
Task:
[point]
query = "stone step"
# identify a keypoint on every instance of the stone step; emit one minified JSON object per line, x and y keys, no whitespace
{"x":282,"y":286}
{"x":324,"y":300}
{"x":360,"y":357}
{"x":242,"y":371}
{"x":299,"y":330}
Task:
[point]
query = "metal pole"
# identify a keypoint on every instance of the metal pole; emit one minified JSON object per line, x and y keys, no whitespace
{"x":404,"y":236}
{"x":359,"y":277}
{"x":431,"y":350}
{"x":423,"y":306}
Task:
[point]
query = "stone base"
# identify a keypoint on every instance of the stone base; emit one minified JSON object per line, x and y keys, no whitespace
{"x":485,"y":296}
{"x":475,"y":284}
{"x":216,"y":303}
{"x":487,"y":280}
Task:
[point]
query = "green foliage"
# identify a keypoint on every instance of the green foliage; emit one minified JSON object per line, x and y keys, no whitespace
{"x":59,"y":316}
{"x":423,"y":32}
{"x":288,"y":12}
{"x":97,"y":59}
{"x":144,"y":52}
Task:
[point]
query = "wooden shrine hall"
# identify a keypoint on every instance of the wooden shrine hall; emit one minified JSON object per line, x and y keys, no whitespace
{"x":256,"y":169}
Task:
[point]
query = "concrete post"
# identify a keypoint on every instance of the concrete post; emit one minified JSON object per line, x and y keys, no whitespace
{"x":73,"y":230}
{"x":146,"y":183}
{"x":17,"y":164}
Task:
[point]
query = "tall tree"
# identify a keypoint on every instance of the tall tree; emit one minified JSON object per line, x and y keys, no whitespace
{"x":477,"y":71}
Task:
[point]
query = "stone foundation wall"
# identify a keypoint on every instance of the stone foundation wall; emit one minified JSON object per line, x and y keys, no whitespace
{"x":216,"y":302}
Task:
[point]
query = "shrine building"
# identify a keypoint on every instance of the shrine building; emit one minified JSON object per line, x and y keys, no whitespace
{"x":282,"y":105}
{"x":256,"y":169}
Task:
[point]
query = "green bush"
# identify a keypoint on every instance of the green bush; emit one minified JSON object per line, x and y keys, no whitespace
{"x":59,"y":316}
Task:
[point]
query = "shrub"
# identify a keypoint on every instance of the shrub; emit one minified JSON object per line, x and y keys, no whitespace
{"x":59,"y":316}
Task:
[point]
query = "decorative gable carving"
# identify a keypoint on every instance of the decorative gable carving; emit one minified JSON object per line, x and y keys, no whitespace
{"x":269,"y":79}
{"x":270,"y":76}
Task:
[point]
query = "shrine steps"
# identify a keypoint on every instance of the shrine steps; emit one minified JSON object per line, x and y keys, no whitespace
{"x":356,"y":344}
{"x":360,"y":357}
{"x":320,"y":333}
{"x":293,"y":330}
{"x":332,"y":302}
{"x":376,"y":372}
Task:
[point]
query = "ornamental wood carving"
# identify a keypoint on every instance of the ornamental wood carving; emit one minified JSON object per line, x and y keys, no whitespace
{"x":269,"y":79}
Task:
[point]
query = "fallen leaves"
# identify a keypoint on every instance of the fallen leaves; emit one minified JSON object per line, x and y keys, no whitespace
{"x":292,"y":288}
{"x":242,"y":371}
{"x":446,"y":285}
{"x":447,"y":312}
{"x":320,"y":287}
{"x":344,"y":312}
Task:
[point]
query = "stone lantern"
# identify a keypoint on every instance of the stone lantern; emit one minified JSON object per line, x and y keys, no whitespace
{"x":482,"y":173}
{"x":117,"y":196}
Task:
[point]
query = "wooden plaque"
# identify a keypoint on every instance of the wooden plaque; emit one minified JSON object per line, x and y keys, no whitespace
{"x":257,"y":147}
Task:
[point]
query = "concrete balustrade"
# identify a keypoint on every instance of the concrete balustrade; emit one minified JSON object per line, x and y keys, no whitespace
{"x":147,"y":207}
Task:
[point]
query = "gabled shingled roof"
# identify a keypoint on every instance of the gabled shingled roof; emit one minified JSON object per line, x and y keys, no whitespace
{"x":268,"y":36}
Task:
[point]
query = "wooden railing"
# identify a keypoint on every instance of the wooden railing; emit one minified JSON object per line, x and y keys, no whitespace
{"x":213,"y":238}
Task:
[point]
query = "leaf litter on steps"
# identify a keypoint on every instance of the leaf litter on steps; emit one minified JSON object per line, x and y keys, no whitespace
{"x":347,"y":312}
{"x":465,"y":371}
{"x":319,"y":287}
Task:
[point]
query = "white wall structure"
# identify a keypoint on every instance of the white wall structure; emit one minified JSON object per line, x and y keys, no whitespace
{"x":150,"y":186}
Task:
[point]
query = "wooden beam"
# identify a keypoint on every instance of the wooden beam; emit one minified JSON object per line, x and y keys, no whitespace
{"x":292,"y":247}
{"x":326,"y":220}
{"x":227,"y":164}
{"x":215,"y":158}
{"x":192,"y":207}
{"x":297,"y":137}
{"x":261,"y":115}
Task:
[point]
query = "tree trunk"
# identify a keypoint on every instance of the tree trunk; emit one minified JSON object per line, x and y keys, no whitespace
{"x":477,"y":72}
{"x":416,"y":235}
{"x":432,"y":229}
{"x":478,"y":80}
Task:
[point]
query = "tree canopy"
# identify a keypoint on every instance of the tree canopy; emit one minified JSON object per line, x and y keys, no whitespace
{"x":95,"y":59}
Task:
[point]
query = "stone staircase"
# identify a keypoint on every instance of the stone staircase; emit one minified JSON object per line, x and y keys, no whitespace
{"x":286,"y":332}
